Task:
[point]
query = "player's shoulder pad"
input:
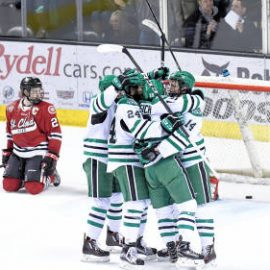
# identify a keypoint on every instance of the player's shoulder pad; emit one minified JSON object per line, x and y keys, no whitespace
{"x":198,"y":92}
{"x":156,"y":99}
{"x":12,"y":105}
{"x":127,"y":101}
{"x":46,"y":106}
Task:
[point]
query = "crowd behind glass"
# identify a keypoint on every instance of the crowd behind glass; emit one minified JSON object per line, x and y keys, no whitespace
{"x":233,"y":25}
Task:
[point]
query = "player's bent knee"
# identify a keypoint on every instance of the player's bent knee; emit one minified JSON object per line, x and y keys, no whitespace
{"x":11,"y":184}
{"x":34,"y":187}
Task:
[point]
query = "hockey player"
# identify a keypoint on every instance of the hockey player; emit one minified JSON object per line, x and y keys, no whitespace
{"x":181,"y":83}
{"x":125,"y":165}
{"x":33,"y":141}
{"x":164,"y":185}
{"x":103,"y":188}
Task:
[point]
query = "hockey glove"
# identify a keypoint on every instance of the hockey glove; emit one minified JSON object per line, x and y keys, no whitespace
{"x":160,"y":73}
{"x":6,"y":153}
{"x":198,"y":92}
{"x":48,"y":164}
{"x":170,"y":123}
{"x":117,"y":83}
{"x":146,"y":151}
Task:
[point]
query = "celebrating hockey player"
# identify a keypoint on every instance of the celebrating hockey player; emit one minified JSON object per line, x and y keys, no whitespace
{"x":180,"y":85}
{"x":33,"y":141}
{"x":103,"y":188}
{"x":167,"y":187}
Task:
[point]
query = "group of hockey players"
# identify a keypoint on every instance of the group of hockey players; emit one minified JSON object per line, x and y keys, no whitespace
{"x":144,"y":147}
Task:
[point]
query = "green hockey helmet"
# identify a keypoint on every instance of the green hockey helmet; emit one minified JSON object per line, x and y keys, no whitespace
{"x":185,"y":80}
{"x":132,"y":78}
{"x":148,"y":93}
{"x":105,"y":82}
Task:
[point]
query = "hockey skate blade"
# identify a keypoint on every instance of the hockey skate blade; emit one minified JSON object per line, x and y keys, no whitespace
{"x":163,"y":259}
{"x":113,"y":249}
{"x":90,"y":258}
{"x":208,"y":266}
{"x":147,"y":258}
{"x":189,"y":263}
{"x":128,"y":266}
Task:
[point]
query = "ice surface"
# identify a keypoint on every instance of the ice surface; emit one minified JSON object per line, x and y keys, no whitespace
{"x":45,"y":231}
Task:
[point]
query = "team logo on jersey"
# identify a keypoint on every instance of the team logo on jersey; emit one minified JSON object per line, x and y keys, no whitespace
{"x":213,"y":69}
{"x":12,"y":123}
{"x":35,"y":110}
{"x":51,"y":109}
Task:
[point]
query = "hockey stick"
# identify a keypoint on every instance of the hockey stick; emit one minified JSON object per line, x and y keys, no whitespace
{"x":163,"y":35}
{"x":106,"y":48}
{"x":150,"y":24}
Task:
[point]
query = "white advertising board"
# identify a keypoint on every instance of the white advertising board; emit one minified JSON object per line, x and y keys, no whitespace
{"x":70,"y":74}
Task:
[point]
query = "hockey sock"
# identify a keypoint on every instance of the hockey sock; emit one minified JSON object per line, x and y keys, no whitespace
{"x":114,"y":214}
{"x":143,"y":221}
{"x":11,"y":184}
{"x":206,"y":230}
{"x":186,"y":222}
{"x":132,"y":220}
{"x":205,"y":224}
{"x":166,"y":224}
{"x":96,"y":217}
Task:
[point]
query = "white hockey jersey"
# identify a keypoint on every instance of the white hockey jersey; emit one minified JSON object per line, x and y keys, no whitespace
{"x":127,"y":126}
{"x":102,"y":108}
{"x":191,"y":107}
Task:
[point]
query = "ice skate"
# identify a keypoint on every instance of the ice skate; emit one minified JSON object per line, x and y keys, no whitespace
{"x":188,"y":257}
{"x":113,"y":241}
{"x":172,"y":251}
{"x":129,"y":258}
{"x":163,"y":255}
{"x":148,"y":252}
{"x":92,"y":252}
{"x":209,"y":256}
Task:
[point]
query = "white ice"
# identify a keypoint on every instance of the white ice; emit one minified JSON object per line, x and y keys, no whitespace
{"x":45,"y":231}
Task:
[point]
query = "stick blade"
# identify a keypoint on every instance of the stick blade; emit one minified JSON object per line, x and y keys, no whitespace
{"x":150,"y":24}
{"x":107,"y":48}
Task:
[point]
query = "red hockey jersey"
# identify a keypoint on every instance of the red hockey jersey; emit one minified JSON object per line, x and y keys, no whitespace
{"x":32,"y":130}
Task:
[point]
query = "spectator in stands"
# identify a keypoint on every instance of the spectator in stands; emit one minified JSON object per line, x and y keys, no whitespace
{"x":178,"y":12}
{"x":238,"y":31}
{"x":201,"y":26}
{"x":146,"y":35}
{"x":120,"y":29}
{"x":223,"y":6}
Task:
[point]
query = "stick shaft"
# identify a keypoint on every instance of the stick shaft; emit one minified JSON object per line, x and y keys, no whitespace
{"x":165,"y":39}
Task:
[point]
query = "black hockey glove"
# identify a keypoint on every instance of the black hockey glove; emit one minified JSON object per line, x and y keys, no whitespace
{"x":160,"y":73}
{"x":146,"y":151}
{"x":48,"y":164}
{"x":6,"y":153}
{"x":198,"y":92}
{"x":170,"y":123}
